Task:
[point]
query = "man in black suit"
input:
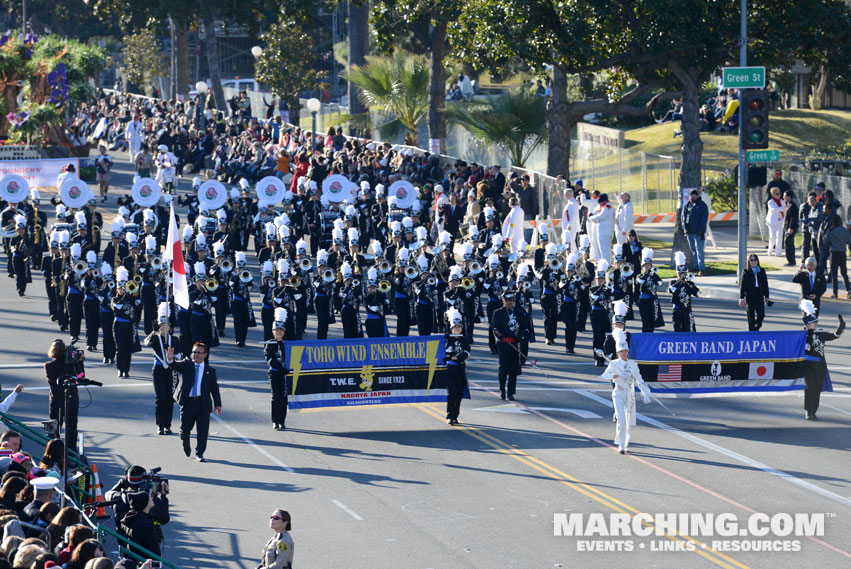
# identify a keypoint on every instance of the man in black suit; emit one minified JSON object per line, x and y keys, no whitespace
{"x":199,"y":395}
{"x":812,"y":282}
{"x":454,"y":214}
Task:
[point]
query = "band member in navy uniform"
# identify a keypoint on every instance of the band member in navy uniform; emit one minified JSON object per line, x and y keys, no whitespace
{"x":323,"y":295}
{"x":275,"y":357}
{"x":376,"y":304}
{"x":524,"y":302}
{"x":91,"y":304}
{"x":283,"y":298}
{"x":600,"y":296}
{"x":74,"y":296}
{"x":509,"y":325}
{"x":648,"y":303}
{"x":107,"y":317}
{"x":571,"y":288}
{"x":267,"y":289}
{"x":201,"y":317}
{"x":425,"y":289}
{"x":123,"y":306}
{"x":350,"y":295}
{"x":682,"y":289}
{"x":494,"y":283}
{"x":21,"y":248}
{"x":159,"y":341}
{"x":622,"y":279}
{"x":241,"y":285}
{"x":550,"y":276}
{"x":816,"y":375}
{"x":403,"y":289}
{"x":457,"y":352}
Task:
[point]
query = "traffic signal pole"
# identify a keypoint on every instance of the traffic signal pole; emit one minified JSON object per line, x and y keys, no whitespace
{"x":743,"y":191}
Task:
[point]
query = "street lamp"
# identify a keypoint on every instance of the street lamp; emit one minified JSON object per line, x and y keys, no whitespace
{"x":201,"y":87}
{"x":256,"y":51}
{"x":313,"y":105}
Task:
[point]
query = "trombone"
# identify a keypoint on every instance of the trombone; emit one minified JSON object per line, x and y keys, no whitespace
{"x":211,"y":285}
{"x":245,"y":276}
{"x":384,"y":286}
{"x":467,"y":283}
{"x":295,"y":281}
{"x":131,"y":287}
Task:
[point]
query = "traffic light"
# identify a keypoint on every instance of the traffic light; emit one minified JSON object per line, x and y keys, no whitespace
{"x":755,"y":119}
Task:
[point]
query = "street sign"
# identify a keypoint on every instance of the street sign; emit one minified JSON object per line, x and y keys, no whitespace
{"x":763,"y":156}
{"x":743,"y":77}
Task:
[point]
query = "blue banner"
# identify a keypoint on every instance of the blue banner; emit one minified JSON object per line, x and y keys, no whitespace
{"x":715,"y":363}
{"x":374,"y":371}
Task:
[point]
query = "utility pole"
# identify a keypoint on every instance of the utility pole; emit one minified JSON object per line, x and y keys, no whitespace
{"x":743,"y":188}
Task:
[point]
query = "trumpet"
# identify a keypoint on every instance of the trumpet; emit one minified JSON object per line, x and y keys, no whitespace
{"x":475,"y":268}
{"x":355,"y":283}
{"x":110,"y":285}
{"x":295,"y":281}
{"x":137,"y":279}
{"x":226,"y":265}
{"x":627,"y":270}
{"x":385,"y":267}
{"x":131,"y":287}
{"x":269,"y":281}
{"x":329,"y":276}
{"x":467,"y":283}
{"x":554,"y":264}
{"x":245,"y":276}
{"x":305,"y":264}
{"x":411,"y":272}
{"x":157,"y":263}
{"x":211,"y":285}
{"x":432,"y":281}
{"x":384,"y":286}
{"x":80,"y":267}
{"x":96,"y":273}
{"x":524,"y":285}
{"x":690,"y":276}
{"x":499,"y":275}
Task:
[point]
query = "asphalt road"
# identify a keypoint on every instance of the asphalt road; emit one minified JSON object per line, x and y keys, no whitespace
{"x":395,"y":486}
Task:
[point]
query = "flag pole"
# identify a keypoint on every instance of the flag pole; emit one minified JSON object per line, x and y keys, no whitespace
{"x":170,"y":284}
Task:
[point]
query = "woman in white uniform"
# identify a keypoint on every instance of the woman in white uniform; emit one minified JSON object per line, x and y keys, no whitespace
{"x":624,"y":374}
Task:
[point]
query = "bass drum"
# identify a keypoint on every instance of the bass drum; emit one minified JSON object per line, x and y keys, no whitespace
{"x":326,"y":226}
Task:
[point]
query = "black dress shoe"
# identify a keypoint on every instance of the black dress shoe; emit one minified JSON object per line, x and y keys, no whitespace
{"x":511,"y":398}
{"x":502,"y":395}
{"x":186,"y":448}
{"x":160,"y":431}
{"x":200,"y":458}
{"x":167,"y":431}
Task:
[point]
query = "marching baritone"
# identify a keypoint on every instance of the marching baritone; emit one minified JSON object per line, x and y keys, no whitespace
{"x":159,"y":341}
{"x":624,"y":374}
{"x":648,"y":302}
{"x":816,"y":374}
{"x":275,"y":357}
{"x":457,"y":352}
{"x":323,"y":287}
{"x":682,"y":289}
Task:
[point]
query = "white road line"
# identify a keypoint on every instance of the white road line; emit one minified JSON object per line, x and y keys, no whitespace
{"x":843,"y":411}
{"x":732,"y":454}
{"x":346,"y":509}
{"x":252,"y":444}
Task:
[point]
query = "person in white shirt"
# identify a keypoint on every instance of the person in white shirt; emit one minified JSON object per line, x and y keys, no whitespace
{"x":774,"y":221}
{"x":625,"y":376}
{"x":10,"y":399}
{"x":103,"y":164}
{"x":603,"y":222}
{"x":570,"y":214}
{"x":512,"y":227}
{"x":133,"y":134}
{"x":624,"y":221}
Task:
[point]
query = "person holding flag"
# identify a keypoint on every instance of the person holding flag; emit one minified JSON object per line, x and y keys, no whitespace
{"x":164,"y":380}
{"x":173,"y":255}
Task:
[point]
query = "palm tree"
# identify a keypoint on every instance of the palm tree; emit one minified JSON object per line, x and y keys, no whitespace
{"x":515,"y":122}
{"x":395,"y":88}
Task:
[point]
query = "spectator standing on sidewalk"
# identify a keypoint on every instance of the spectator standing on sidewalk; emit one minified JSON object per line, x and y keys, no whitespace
{"x":790,"y":227}
{"x":810,"y":214}
{"x":753,"y":291}
{"x":837,"y":240}
{"x":694,"y":219}
{"x":528,"y":203}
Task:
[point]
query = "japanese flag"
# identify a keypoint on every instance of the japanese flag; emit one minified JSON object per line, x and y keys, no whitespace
{"x":761,"y":370}
{"x":174,"y":253}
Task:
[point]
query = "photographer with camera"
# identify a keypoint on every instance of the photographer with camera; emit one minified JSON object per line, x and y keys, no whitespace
{"x":65,"y":362}
{"x":138,"y":480}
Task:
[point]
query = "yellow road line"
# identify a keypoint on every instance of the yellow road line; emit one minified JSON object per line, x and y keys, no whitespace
{"x":575,"y":484}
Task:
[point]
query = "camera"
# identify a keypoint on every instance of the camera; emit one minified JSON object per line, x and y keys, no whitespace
{"x":51,"y":428}
{"x":156,"y":481}
{"x":73,"y":355}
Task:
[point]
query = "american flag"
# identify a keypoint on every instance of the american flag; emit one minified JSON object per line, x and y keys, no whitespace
{"x":670,"y":373}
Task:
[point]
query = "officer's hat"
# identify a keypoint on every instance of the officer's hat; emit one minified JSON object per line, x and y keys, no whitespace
{"x":620,"y":340}
{"x":617,"y":252}
{"x":455,"y":273}
{"x":602,"y":267}
{"x":571,"y":262}
{"x":509,"y":294}
{"x":268,"y":269}
{"x":647,"y":256}
{"x":301,"y":247}
{"x":20,"y":221}
{"x":396,"y":229}
{"x":162,"y":313}
{"x":200,"y":271}
{"x":240,"y":259}
{"x":468,"y":251}
{"x":200,"y":242}
{"x":372,"y":277}
{"x":80,"y":220}
{"x":620,"y":310}
{"x":337,"y":236}
{"x":354,"y":237}
{"x":455,"y":318}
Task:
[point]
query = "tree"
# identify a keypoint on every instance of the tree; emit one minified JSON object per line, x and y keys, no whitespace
{"x":358,"y":45}
{"x":286,"y":65}
{"x":142,"y":59}
{"x":514,"y":122}
{"x":429,"y":20}
{"x":395,"y":88}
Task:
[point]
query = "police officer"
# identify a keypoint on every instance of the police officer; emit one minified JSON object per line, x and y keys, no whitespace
{"x":278,"y":551}
{"x":682,"y":289}
{"x":457,"y":352}
{"x":274,"y":353}
{"x":164,"y":381}
{"x":509,"y":325}
{"x":815,"y":366}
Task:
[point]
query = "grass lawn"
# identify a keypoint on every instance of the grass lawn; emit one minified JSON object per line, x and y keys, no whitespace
{"x":655,"y":245}
{"x":794,"y":131}
{"x":713,"y":268}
